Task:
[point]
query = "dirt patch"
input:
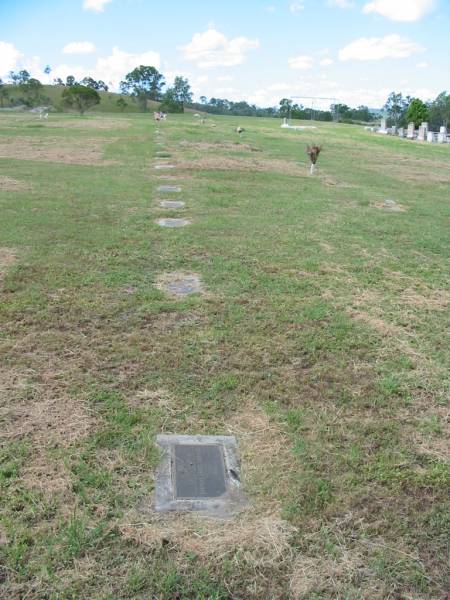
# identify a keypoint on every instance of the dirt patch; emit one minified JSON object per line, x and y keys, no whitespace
{"x":56,"y":150}
{"x":7,"y":259}
{"x":434,"y":300}
{"x":227,"y":163}
{"x":12,"y":185}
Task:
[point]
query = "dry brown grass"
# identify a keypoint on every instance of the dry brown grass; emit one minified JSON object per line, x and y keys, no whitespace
{"x":56,"y":150}
{"x":88,"y":124}
{"x":8,"y":184}
{"x":7,"y":259}
{"x":229,"y":146}
{"x":227,"y":163}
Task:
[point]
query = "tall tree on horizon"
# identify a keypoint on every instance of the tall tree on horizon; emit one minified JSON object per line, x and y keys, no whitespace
{"x":144,"y":83}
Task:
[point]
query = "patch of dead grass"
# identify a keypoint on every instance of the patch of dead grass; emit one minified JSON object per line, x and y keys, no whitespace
{"x":228,"y":163}
{"x":90,"y":124}
{"x":230,"y":146}
{"x":56,"y":150}
{"x":7,"y":259}
{"x":8,"y":184}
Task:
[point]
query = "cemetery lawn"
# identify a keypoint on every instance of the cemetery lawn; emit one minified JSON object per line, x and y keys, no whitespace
{"x":320,"y":342}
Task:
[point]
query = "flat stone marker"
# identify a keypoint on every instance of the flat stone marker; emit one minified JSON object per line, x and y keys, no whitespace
{"x":198,"y":473}
{"x":172,"y":204}
{"x":174,"y":189}
{"x":172,"y":223}
{"x":165,"y":166}
{"x":180,"y":285}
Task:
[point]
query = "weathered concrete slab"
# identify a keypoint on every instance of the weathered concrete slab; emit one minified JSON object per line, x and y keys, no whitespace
{"x":169,"y":189}
{"x":180,"y":285}
{"x":199,"y":473}
{"x":173,"y":223}
{"x":172,"y":204}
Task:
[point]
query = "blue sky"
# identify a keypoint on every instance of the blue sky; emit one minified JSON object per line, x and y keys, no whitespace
{"x":356,"y":51}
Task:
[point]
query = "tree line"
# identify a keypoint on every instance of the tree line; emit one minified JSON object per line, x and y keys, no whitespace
{"x":146,"y":83}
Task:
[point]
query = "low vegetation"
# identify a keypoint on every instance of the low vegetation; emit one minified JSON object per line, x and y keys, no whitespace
{"x":318,"y":340}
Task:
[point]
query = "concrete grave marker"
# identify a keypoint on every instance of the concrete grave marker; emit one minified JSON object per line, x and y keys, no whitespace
{"x":173,"y":223}
{"x":383,"y":126}
{"x":411,"y":131}
{"x":180,"y":285}
{"x":422,"y":134}
{"x":169,"y":189}
{"x":172,"y":204}
{"x":165,"y":166}
{"x":198,"y":473}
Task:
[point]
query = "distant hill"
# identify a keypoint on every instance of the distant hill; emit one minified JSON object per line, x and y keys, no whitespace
{"x":107,"y":104}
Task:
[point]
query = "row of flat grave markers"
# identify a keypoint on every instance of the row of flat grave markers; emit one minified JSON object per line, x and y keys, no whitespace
{"x":422,"y":134}
{"x":196,"y":473}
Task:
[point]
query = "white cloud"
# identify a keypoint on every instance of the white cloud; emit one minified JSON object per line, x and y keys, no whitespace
{"x":375,"y":48}
{"x":113,"y":68}
{"x":79,"y":48}
{"x":213,"y":49}
{"x":225,"y":78}
{"x":340,"y":3}
{"x":296,"y":7}
{"x":423,"y":64}
{"x":9,"y":57}
{"x":95,"y":5}
{"x":326,"y":62}
{"x":302,"y":63}
{"x":400,"y":10}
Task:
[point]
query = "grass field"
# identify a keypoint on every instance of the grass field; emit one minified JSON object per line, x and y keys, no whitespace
{"x":320,"y":341}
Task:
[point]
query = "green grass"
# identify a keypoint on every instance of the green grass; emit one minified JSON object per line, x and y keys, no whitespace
{"x":320,"y":343}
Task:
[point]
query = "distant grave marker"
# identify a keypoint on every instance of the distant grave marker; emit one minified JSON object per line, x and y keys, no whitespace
{"x":165,"y":166}
{"x":174,"y":189}
{"x":172,"y":204}
{"x":173,"y":223}
{"x":198,"y":473}
{"x":180,"y":284}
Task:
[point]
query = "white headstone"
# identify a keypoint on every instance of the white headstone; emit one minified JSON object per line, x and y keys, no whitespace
{"x":401,"y":132}
{"x":442,"y":135}
{"x":383,"y":126}
{"x":430,"y":137}
{"x":422,"y":133}
{"x":411,"y":131}
{"x":443,"y":129}
{"x":393,"y":130}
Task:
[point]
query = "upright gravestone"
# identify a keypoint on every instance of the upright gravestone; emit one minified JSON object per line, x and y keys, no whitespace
{"x":411,"y":131}
{"x":401,"y":132}
{"x":442,"y":135}
{"x":422,"y":133}
{"x":430,"y":137}
{"x":425,"y":126}
{"x":383,"y":126}
{"x":393,"y":130}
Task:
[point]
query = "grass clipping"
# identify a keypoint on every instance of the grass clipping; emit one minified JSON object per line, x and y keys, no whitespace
{"x":258,"y":535}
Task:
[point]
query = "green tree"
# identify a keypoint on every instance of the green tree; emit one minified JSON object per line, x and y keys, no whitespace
{"x":80,"y":97}
{"x":32,"y":91}
{"x":121,"y":104}
{"x":285,"y":107}
{"x":3,"y":93}
{"x":20,"y":77}
{"x":417,"y":112}
{"x":95,"y":85}
{"x":143,"y":84}
{"x":440,"y":110}
{"x":70,"y":80}
{"x":177,"y":96}
{"x":396,"y":106}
